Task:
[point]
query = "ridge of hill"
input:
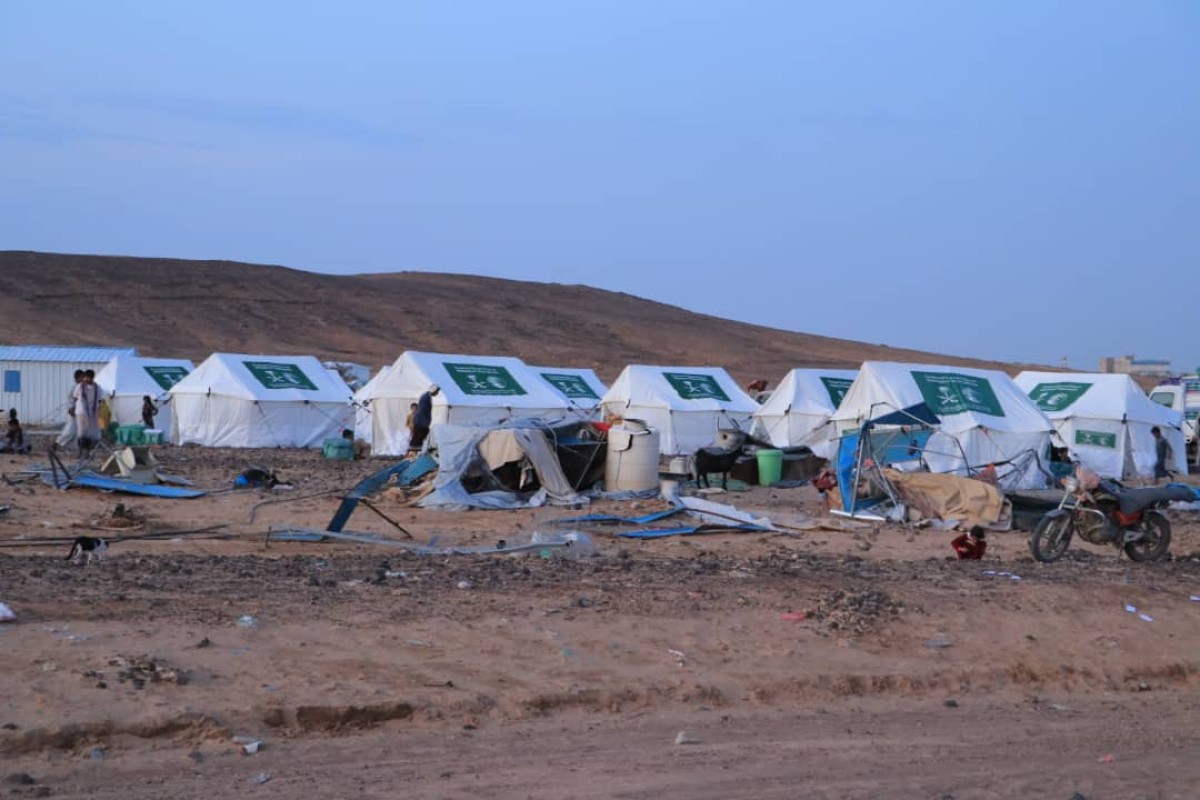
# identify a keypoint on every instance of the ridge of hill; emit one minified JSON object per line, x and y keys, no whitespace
{"x":181,"y":308}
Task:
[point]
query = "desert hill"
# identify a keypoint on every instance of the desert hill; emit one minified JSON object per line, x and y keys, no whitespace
{"x":171,"y":307}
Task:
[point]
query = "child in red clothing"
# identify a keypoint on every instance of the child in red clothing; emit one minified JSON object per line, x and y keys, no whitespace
{"x":971,"y":545}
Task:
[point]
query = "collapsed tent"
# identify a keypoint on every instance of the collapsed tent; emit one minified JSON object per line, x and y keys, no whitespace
{"x":474,"y":390}
{"x":982,"y":418}
{"x":126,"y":380}
{"x":687,"y":405}
{"x":799,"y":410}
{"x":1105,"y":421}
{"x":235,"y":400}
{"x":516,"y":464}
{"x":580,"y":388}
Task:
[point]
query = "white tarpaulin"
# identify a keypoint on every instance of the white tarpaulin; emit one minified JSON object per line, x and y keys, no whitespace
{"x":985,"y":417}
{"x":236,"y":400}
{"x":475,"y":390}
{"x":579,"y":388}
{"x":1105,"y":421}
{"x":126,"y":380}
{"x":800,"y":409}
{"x":474,"y":451}
{"x":687,"y":405}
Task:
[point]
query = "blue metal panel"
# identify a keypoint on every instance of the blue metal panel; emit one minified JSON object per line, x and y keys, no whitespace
{"x":12,"y":381}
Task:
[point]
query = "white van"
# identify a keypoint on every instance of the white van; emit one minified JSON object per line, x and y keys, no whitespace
{"x":1182,"y":396}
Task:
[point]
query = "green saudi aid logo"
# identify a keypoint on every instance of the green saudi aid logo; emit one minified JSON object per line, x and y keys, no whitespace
{"x":166,"y":377}
{"x":1057,"y":396}
{"x":954,"y":393}
{"x":696,"y":386}
{"x":484,"y":380}
{"x":572,"y":387}
{"x":273,"y":375}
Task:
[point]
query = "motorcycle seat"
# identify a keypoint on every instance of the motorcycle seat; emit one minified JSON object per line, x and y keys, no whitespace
{"x":1131,"y":501}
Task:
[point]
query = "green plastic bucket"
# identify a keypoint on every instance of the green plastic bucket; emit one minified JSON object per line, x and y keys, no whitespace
{"x":770,"y":467}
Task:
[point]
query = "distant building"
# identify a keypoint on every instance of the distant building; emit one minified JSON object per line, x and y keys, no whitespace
{"x":1128,"y":365}
{"x":36,"y":380}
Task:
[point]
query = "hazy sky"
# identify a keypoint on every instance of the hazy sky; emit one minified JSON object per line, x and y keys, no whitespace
{"x":1015,"y":179}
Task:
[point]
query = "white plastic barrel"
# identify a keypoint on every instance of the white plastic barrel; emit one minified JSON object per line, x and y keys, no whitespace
{"x":632,"y":462}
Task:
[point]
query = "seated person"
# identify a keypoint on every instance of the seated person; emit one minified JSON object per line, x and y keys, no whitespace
{"x":971,"y":545}
{"x":14,"y":436}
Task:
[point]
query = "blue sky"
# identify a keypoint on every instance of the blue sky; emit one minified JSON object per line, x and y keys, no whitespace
{"x":1016,"y":180}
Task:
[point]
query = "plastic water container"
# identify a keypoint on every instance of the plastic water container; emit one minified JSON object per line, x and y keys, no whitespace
{"x":338,"y":449}
{"x":632,"y":461}
{"x":770,"y":467}
{"x":131,"y":434}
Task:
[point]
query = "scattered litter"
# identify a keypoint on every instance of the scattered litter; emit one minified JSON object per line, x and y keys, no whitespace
{"x":679,"y":656}
{"x":250,"y":744}
{"x":464,"y":584}
{"x":1106,"y":759}
{"x":1146,"y":617}
{"x":96,"y":754}
{"x":1131,"y":609}
{"x":1057,"y":707}
{"x":6,"y":614}
{"x":247,"y":621}
{"x":611,"y":519}
{"x":1011,"y":576}
{"x":939,"y":644}
{"x":261,"y":778}
{"x":49,"y":666}
{"x":794,"y":616}
{"x":20,"y":779}
{"x":683,"y":737}
{"x":1195,"y":598}
{"x":951,"y":703}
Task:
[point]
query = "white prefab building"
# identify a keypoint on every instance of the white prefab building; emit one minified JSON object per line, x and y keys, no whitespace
{"x":1105,"y":421}
{"x":235,"y":400}
{"x":125,"y":380}
{"x":475,"y":390}
{"x":985,"y":418}
{"x":579,"y":388}
{"x":687,"y":405}
{"x":800,"y":410}
{"x":37,"y":381}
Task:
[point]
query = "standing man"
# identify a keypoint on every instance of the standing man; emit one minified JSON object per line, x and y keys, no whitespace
{"x":87,"y":413}
{"x":1162,"y":454}
{"x":71,"y":430}
{"x":422,"y":418}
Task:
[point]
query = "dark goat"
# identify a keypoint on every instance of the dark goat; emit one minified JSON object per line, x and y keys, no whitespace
{"x":714,"y":459}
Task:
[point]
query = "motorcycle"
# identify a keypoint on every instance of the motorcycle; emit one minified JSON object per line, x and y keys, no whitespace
{"x":1105,"y":512}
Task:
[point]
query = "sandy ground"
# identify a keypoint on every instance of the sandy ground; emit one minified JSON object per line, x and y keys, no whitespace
{"x":829,"y":663}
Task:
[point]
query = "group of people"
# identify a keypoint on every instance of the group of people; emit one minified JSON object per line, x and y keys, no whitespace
{"x":89,"y":416}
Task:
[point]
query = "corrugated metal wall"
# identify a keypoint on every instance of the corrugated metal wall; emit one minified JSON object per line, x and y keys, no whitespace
{"x":45,"y":386}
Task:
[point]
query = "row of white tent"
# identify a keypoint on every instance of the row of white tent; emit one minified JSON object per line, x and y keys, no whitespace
{"x":235,"y":400}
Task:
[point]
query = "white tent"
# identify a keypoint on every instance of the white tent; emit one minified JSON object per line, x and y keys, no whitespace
{"x":688,"y":405}
{"x":363,"y":428}
{"x":985,"y":418}
{"x":125,"y":380}
{"x":475,"y":390}
{"x":235,"y":400}
{"x":799,"y":409}
{"x":1105,"y":421}
{"x":580,"y":388}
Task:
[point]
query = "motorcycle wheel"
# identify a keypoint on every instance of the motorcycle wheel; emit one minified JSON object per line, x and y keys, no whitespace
{"x":1051,"y":538}
{"x":1155,"y":541}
